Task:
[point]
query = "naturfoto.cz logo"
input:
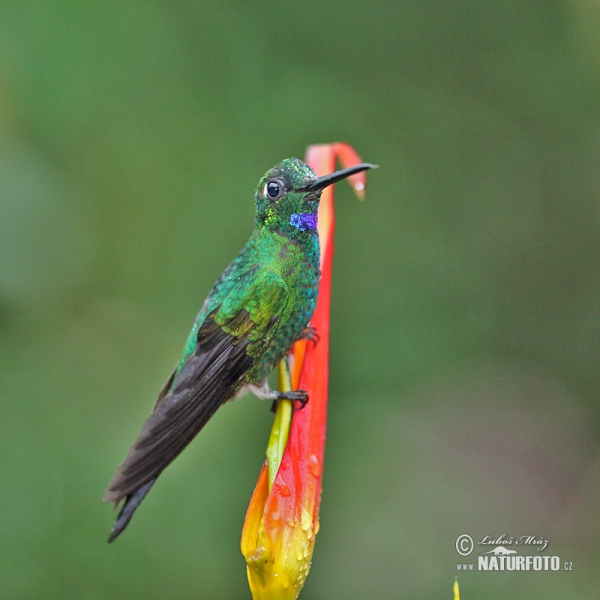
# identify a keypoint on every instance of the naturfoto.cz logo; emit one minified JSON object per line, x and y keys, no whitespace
{"x":501,"y":558}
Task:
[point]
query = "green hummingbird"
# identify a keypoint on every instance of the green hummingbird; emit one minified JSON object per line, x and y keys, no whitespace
{"x":256,"y":310}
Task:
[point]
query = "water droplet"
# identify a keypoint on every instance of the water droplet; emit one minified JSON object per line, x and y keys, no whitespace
{"x":283,"y":488}
{"x":317,"y":526}
{"x":314,"y":466}
{"x":359,"y":186}
{"x":305,"y":519}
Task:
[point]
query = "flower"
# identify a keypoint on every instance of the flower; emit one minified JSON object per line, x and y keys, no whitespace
{"x":283,"y":516}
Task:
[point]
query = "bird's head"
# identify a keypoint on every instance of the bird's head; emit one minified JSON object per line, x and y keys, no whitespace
{"x":287,"y":197}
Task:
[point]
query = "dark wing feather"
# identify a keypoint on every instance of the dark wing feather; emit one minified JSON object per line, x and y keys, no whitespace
{"x":131,"y":503}
{"x":179,"y":415}
{"x":207,"y":379}
{"x":209,"y":376}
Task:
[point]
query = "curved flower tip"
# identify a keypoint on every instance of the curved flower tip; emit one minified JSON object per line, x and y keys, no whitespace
{"x":283,"y":516}
{"x":346,"y":155}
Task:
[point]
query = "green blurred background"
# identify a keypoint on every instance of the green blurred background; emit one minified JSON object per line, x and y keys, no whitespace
{"x":466,"y":296}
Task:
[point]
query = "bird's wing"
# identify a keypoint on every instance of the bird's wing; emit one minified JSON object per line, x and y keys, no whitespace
{"x":232,"y":337}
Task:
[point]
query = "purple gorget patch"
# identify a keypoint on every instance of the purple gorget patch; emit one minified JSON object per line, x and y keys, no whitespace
{"x":304,"y":221}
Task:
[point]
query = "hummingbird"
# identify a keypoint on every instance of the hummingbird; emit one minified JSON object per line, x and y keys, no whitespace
{"x":259,"y":306}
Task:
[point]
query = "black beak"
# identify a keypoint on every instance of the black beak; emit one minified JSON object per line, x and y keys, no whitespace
{"x":323,"y":182}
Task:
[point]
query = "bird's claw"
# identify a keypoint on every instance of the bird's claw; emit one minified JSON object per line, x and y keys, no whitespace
{"x":295,"y":396}
{"x":310,"y":334}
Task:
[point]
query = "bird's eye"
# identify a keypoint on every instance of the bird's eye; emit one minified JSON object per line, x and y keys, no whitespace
{"x":274,"y":189}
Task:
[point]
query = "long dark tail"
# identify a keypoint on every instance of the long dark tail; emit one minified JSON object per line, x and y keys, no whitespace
{"x":131,"y":503}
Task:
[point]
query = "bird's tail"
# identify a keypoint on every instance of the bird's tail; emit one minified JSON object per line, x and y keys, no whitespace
{"x":131,"y":503}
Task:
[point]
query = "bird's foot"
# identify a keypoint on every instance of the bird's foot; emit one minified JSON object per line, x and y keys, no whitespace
{"x":264,"y":392}
{"x":310,"y":334}
{"x":295,"y":396}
